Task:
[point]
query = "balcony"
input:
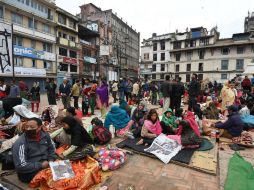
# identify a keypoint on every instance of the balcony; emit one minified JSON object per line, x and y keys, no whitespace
{"x":65,"y":42}
{"x":24,"y":30}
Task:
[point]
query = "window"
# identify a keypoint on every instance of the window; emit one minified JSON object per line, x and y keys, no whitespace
{"x":17,"y":41}
{"x":73,"y":54}
{"x":162,"y":56}
{"x":189,"y":55}
{"x":177,"y":68}
{"x":177,"y":45}
{"x":16,"y":18}
{"x":153,"y":76}
{"x":187,"y":77}
{"x":176,"y":76}
{"x":32,"y":23}
{"x":47,"y":65}
{"x":47,"y":47}
{"x":224,"y":64}
{"x":162,"y":76}
{"x":33,"y":44}
{"x":200,"y":77}
{"x":162,"y":67}
{"x":18,"y":61}
{"x":225,"y":51}
{"x":240,"y":50}
{"x":162,"y":45}
{"x":146,"y":56}
{"x":72,"y":38}
{"x":73,"y":68}
{"x":188,"y":68}
{"x":33,"y":63}
{"x":154,"y":68}
{"x":192,"y":43}
{"x":204,"y":42}
{"x":63,"y":67}
{"x":72,"y":24}
{"x":178,"y":56}
{"x":200,"y":67}
{"x":201,"y":54}
{"x":239,"y":64}
{"x":155,"y":57}
{"x":28,"y":2}
{"x":87,"y":52}
{"x":62,"y":51}
{"x":154,"y":46}
{"x":1,"y":12}
{"x":61,"y":19}
{"x":224,"y":76}
{"x":46,"y":28}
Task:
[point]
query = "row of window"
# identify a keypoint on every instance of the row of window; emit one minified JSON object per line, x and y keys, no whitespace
{"x":162,"y":45}
{"x":191,"y":43}
{"x":64,"y":52}
{"x":63,"y":20}
{"x":19,"y":41}
{"x":36,"y":5}
{"x":19,"y":62}
{"x":18,"y":19}
{"x":64,"y":67}
{"x":162,"y":68}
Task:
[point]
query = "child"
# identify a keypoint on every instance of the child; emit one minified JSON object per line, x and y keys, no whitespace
{"x":168,"y":122}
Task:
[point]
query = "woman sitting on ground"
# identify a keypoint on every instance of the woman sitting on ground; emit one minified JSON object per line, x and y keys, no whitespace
{"x":119,"y":119}
{"x":188,"y":133}
{"x":70,"y":111}
{"x":168,"y":123}
{"x":74,"y":136}
{"x":211,"y":112}
{"x":138,"y":117}
{"x":151,"y":128}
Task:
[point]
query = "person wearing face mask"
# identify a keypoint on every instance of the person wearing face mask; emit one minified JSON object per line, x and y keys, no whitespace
{"x":32,"y":151}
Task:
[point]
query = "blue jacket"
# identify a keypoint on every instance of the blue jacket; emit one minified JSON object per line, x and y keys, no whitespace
{"x":234,"y":125}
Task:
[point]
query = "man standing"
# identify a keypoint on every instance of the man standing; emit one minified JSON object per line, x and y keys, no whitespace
{"x":92,"y":100}
{"x":32,"y":151}
{"x":75,"y":91}
{"x":65,"y":91}
{"x":14,"y":90}
{"x":51,"y":91}
{"x":128,"y":90}
{"x":179,"y":92}
{"x":114,"y":90}
{"x":135,"y":89}
{"x":166,"y":90}
{"x":194,"y":88}
{"x":86,"y":97}
{"x":121,"y":87}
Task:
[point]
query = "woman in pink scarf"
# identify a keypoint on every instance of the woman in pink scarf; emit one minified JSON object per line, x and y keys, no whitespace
{"x":151,"y":128}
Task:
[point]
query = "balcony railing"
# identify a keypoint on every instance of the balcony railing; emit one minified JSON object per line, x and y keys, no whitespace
{"x":69,"y":43}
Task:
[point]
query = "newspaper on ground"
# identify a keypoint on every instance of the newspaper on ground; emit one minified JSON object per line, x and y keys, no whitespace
{"x":164,"y":148}
{"x":61,"y":170}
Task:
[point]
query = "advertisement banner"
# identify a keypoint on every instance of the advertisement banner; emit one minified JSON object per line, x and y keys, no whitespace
{"x":70,"y":60}
{"x":5,"y":49}
{"x":32,"y":53}
{"x":89,"y":59}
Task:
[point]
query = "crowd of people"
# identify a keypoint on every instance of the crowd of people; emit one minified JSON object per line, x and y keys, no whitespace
{"x":38,"y":139}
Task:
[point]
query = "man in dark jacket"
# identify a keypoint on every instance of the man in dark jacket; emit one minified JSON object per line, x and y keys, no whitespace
{"x":246,"y":84}
{"x":179,"y":91}
{"x":32,"y":151}
{"x":234,"y":125}
{"x":166,"y":89}
{"x":65,"y":91}
{"x":194,"y":88}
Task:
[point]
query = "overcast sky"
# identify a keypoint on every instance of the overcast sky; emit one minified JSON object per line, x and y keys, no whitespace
{"x":163,"y":16}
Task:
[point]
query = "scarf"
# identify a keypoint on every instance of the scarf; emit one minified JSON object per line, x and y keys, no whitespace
{"x":169,"y":121}
{"x":116,"y":117}
{"x":190,"y":117}
{"x":102,"y":92}
{"x":154,"y":128}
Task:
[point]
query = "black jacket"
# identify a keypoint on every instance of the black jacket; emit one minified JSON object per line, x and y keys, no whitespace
{"x":28,"y":154}
{"x":194,"y":88}
{"x":179,"y":89}
{"x":66,"y":90}
{"x":166,"y":89}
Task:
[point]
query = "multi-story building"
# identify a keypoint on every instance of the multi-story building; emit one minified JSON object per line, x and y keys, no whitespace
{"x":119,"y":43}
{"x":68,"y":46}
{"x":33,"y":38}
{"x":89,"y":41}
{"x":155,"y":57}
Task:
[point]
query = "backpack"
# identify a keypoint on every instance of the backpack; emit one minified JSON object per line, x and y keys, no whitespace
{"x":97,"y":122}
{"x":101,"y":135}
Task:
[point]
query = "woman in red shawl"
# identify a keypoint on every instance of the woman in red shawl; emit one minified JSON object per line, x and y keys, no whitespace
{"x":102,"y":98}
{"x":188,"y":133}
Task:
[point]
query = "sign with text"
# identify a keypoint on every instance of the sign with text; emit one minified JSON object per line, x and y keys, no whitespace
{"x":89,"y":59}
{"x":104,"y":50}
{"x":70,"y":60}
{"x":32,"y":53}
